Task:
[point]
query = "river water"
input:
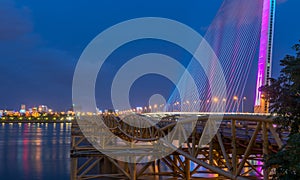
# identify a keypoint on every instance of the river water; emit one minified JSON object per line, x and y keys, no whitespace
{"x":34,"y":151}
{"x":38,"y":151}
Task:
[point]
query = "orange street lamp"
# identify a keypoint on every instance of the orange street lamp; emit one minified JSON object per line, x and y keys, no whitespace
{"x":215,"y":99}
{"x":235,"y":98}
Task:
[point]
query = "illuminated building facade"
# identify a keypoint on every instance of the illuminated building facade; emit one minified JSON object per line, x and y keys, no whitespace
{"x":23,"y":109}
{"x":43,"y":108}
{"x":265,"y":54}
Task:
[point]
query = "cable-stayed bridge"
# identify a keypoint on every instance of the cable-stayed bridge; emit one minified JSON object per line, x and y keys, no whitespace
{"x":197,"y":132}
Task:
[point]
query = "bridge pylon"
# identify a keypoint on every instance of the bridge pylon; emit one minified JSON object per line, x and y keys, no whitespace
{"x":265,"y":54}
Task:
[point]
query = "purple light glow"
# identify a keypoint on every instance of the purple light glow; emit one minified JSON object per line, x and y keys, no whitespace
{"x":263,"y":51}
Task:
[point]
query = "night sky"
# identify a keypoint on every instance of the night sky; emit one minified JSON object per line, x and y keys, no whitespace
{"x":41,"y":41}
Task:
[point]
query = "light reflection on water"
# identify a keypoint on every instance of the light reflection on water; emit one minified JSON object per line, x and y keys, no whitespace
{"x":41,"y":151}
{"x":35,"y":151}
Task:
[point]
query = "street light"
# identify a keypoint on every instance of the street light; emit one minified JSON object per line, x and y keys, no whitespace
{"x":177,"y":106}
{"x":207,"y":104}
{"x":224,"y":105}
{"x":215,"y":99}
{"x":188,"y":105}
{"x":155,"y":107}
{"x":244,"y":99}
{"x":235,"y":98}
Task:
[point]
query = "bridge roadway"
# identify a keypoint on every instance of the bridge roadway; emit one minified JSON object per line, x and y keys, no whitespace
{"x":236,"y":151}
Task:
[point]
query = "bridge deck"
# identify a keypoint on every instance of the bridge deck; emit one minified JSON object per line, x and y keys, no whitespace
{"x":235,"y":152}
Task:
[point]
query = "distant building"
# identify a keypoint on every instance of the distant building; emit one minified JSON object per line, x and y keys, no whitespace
{"x":9,"y":113}
{"x":43,"y":108}
{"x":23,"y":109}
{"x":33,"y":110}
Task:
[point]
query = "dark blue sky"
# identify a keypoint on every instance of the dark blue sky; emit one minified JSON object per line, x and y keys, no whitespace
{"x":41,"y":41}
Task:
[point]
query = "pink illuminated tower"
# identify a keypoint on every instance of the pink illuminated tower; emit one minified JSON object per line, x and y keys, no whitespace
{"x":265,"y":53}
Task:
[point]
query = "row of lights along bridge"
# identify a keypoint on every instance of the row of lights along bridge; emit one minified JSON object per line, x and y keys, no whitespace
{"x":175,"y":106}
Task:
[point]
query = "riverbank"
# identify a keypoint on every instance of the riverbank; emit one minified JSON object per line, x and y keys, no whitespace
{"x":39,"y":121}
{"x":36,"y":120}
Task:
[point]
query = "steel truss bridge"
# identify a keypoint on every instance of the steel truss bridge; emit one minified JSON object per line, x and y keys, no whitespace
{"x":235,"y":152}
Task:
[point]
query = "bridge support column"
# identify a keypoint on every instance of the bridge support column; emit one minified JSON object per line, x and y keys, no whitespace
{"x":265,"y":148}
{"x":156,"y":168}
{"x":211,"y":153}
{"x":133,"y":171}
{"x":107,"y":167}
{"x":73,"y":168}
{"x":233,"y":143}
{"x":187,"y":169}
{"x":175,"y":168}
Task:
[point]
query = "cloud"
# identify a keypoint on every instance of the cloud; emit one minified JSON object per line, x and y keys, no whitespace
{"x":14,"y":23}
{"x":31,"y":71}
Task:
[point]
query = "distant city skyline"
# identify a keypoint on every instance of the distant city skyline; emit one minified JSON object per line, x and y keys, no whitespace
{"x":40,"y":42}
{"x":23,"y":108}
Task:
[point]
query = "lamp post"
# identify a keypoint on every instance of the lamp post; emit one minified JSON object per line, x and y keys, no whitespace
{"x":188,"y":105}
{"x":215,"y":100}
{"x":224,"y":105}
{"x":207,"y":105}
{"x":177,"y":106}
{"x":161,"y":108}
{"x":155,"y":107}
{"x":244,"y":99}
{"x":235,"y":98}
